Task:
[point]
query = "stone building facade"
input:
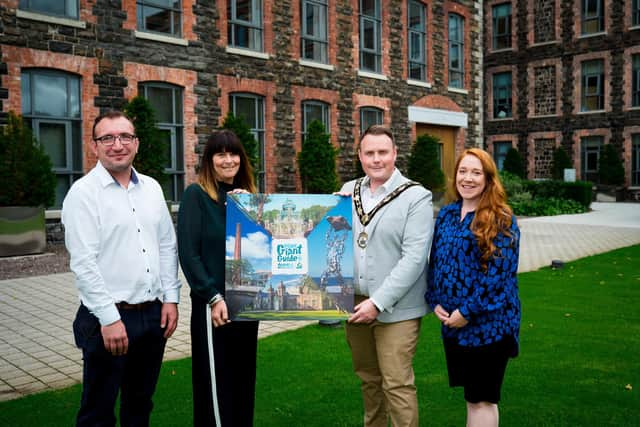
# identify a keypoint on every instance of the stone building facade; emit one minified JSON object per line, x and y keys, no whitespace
{"x":563,"y":73}
{"x":413,"y":65}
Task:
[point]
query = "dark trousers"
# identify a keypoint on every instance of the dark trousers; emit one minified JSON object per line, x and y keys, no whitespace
{"x":233,"y":365}
{"x":134,"y":374}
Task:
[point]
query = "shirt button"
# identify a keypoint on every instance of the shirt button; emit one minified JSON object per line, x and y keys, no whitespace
{"x":134,"y":209}
{"x":147,"y":270}
{"x":138,"y":230}
{"x":144,"y":250}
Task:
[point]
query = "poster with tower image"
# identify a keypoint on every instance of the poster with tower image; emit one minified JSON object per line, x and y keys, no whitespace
{"x":289,"y":257}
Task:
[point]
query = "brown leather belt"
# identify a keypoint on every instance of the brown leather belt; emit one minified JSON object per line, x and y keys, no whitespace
{"x":141,"y":306}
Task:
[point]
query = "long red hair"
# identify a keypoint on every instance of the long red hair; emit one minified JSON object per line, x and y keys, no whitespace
{"x":493,"y":214}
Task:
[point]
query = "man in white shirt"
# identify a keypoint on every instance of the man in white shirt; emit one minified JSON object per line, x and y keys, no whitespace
{"x":393,"y":220}
{"x":122,"y":243}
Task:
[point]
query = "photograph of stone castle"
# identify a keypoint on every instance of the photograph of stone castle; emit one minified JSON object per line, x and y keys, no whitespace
{"x":289,"y":256}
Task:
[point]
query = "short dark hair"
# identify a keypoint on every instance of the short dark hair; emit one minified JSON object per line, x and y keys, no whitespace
{"x":111,"y":114}
{"x":377,"y":130}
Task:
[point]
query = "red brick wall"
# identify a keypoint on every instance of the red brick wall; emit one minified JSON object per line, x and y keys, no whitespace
{"x":138,"y":73}
{"x":86,"y":6}
{"x":492,"y":139}
{"x":18,"y":59}
{"x":360,"y":101}
{"x":228,"y":85}
{"x":301,"y":94}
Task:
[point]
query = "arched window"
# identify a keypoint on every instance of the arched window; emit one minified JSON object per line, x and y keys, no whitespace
{"x":251,"y":108}
{"x":51,"y":107}
{"x":166,"y":100}
{"x":315,"y":110}
{"x":370,"y":116}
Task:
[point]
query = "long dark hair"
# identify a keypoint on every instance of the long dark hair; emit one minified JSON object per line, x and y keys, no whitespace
{"x":224,"y":141}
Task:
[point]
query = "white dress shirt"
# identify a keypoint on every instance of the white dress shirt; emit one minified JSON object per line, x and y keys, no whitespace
{"x":369,"y":201}
{"x":121,"y":241}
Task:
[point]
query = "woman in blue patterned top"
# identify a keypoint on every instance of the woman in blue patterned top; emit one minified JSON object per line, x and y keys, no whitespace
{"x":473,"y":286}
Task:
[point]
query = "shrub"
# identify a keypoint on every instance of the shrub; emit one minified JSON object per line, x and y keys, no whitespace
{"x":545,"y":207}
{"x":151,"y":158}
{"x":25,"y":169}
{"x":424,"y":165}
{"x":513,"y":163}
{"x":560,"y":162}
{"x":610,"y":169}
{"x":317,"y":161}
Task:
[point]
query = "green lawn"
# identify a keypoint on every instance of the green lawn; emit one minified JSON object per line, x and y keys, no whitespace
{"x":580,"y":349}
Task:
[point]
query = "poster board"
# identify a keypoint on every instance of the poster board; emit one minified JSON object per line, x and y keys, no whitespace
{"x":289,"y":257}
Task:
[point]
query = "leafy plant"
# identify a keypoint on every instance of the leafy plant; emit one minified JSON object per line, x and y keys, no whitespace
{"x":610,"y":169}
{"x":152,"y":150}
{"x":424,"y":165}
{"x":317,"y":161}
{"x":25,"y":169}
{"x":237,"y":125}
{"x":513,"y":163}
{"x":560,"y":162}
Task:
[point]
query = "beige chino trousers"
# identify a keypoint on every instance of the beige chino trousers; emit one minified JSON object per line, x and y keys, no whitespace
{"x":382,"y":355}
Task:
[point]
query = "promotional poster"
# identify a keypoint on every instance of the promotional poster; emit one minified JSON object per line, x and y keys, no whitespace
{"x":289,"y":256}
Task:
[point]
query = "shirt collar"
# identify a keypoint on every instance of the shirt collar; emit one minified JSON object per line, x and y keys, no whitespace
{"x":387,"y":184}
{"x":106,"y":178}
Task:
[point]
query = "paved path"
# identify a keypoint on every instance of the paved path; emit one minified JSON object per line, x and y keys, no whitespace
{"x":37,"y":351}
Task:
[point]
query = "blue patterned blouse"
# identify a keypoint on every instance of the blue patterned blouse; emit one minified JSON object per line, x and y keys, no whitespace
{"x":489,"y":301}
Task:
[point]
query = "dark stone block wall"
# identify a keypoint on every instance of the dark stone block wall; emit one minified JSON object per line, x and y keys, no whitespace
{"x":107,"y":39}
{"x":615,"y":40}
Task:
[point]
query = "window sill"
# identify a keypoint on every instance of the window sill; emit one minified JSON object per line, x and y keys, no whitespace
{"x":544,"y":116}
{"x":50,"y":19}
{"x":544,"y":43}
{"x":372,"y":75}
{"x":592,"y":112}
{"x":419,"y":83}
{"x":161,"y":38}
{"x":458,"y":90}
{"x":312,"y":64}
{"x":503,"y":50}
{"x":634,"y":28}
{"x":587,"y":36}
{"x":247,"y":52}
{"x":501,"y":119}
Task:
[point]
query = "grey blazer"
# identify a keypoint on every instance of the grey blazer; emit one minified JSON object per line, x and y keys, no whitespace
{"x":397,"y":250}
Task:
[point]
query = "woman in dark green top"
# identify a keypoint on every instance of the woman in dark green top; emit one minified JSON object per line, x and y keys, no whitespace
{"x":223,"y":352}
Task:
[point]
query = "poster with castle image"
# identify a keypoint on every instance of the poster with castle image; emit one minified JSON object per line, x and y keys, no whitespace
{"x":289,"y":257}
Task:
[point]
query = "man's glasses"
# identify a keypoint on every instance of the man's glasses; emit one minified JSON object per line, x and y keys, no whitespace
{"x":109,"y":140}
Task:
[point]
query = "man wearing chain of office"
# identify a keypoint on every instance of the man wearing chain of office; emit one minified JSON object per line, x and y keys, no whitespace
{"x":393,"y":234}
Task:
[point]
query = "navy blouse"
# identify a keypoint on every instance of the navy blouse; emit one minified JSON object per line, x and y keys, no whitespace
{"x":488,"y":300}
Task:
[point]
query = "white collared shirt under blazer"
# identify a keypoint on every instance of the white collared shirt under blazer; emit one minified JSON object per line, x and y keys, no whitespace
{"x":395,"y":258}
{"x":122,"y":242}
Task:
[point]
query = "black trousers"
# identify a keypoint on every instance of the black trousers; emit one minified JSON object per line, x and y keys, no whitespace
{"x":223,"y":369}
{"x":134,"y":374}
